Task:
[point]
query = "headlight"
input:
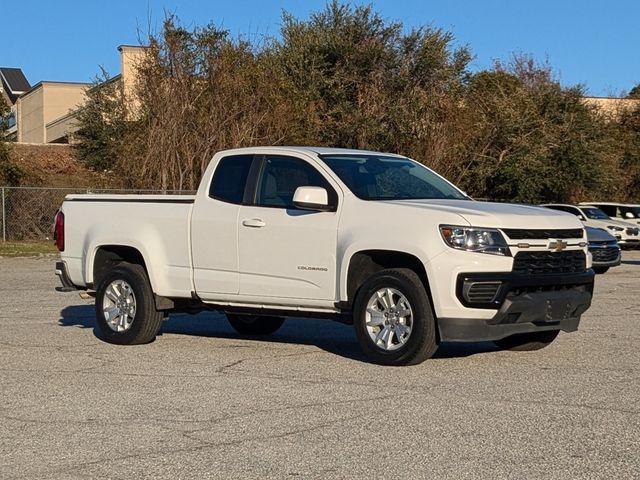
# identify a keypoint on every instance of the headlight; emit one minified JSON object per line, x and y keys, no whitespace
{"x":472,"y":239}
{"x":614,"y":228}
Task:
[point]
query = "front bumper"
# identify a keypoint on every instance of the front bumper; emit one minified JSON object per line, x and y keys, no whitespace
{"x":605,"y":256}
{"x":628,"y":238}
{"x":628,"y":242}
{"x":524,"y":303}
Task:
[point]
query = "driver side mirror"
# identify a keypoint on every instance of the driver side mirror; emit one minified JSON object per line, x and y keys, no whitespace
{"x":581,"y":217}
{"x":629,"y":216}
{"x":312,"y":198}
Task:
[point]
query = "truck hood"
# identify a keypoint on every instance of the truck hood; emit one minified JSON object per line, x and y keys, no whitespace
{"x":497,"y":215}
{"x":599,"y":235}
{"x":595,"y":222}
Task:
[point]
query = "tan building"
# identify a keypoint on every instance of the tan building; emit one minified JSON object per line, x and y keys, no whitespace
{"x":612,"y":107}
{"x":45,"y":113}
{"x":42,"y":109}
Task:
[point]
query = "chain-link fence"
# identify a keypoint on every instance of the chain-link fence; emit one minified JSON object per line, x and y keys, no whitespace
{"x":27,"y":212}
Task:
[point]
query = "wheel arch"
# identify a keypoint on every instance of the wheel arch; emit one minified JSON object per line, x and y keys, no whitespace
{"x":105,"y":257}
{"x":364,"y":263}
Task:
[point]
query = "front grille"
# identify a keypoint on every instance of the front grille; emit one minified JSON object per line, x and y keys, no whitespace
{"x":521,"y":234}
{"x":604,"y":254}
{"x":528,"y":263}
{"x":481,"y":292}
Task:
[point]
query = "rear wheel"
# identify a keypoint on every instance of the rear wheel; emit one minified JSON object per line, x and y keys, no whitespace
{"x":525,"y":342}
{"x":600,"y":269}
{"x":125,"y":307}
{"x":393,"y":319}
{"x":254,"y":324}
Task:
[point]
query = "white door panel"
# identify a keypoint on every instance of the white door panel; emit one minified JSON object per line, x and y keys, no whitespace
{"x":214,"y":227}
{"x":287,"y":253}
{"x":214,"y":239}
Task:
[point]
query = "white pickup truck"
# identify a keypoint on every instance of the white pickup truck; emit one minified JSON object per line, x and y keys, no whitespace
{"x":377,"y":240}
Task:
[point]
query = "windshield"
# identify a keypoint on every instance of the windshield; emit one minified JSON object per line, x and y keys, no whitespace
{"x":376,"y":177}
{"x":595,"y":213}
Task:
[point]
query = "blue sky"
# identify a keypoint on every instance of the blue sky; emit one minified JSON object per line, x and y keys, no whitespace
{"x":590,"y":42}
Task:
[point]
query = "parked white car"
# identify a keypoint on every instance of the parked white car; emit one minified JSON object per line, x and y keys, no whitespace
{"x":627,"y":234}
{"x":377,"y":240}
{"x":620,"y":211}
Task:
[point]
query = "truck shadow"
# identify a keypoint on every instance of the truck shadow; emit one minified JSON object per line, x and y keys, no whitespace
{"x":332,"y":337}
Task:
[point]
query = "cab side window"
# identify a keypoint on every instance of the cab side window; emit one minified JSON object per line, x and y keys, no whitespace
{"x":557,"y":207}
{"x":566,"y":209}
{"x":575,"y":211}
{"x":230,"y":178}
{"x":281,"y":176}
{"x":608,"y":209}
{"x":626,"y":213}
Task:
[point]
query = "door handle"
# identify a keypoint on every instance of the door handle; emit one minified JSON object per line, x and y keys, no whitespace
{"x":253,"y":223}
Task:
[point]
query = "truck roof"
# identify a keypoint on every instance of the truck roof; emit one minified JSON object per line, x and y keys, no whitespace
{"x":311,"y":149}
{"x":621,"y":204}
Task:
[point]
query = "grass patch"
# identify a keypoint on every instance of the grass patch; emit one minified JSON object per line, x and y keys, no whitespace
{"x":26,"y":249}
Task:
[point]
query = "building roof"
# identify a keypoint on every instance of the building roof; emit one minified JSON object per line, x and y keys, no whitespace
{"x":14,"y":82}
{"x":51,"y":82}
{"x":121,"y":47}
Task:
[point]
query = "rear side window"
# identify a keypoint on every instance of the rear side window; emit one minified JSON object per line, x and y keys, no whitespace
{"x":230,"y":178}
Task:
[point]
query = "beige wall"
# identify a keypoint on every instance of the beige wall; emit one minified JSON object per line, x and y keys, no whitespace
{"x":130,"y":58}
{"x":45,"y":103}
{"x":610,"y":106}
{"x":62,"y":129}
{"x":61,"y":98}
{"x":31,"y":116}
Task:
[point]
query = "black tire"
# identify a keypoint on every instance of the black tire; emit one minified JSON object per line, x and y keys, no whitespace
{"x":254,"y":324}
{"x":527,"y":342}
{"x":421,"y":343}
{"x":146,"y":319}
{"x":600,"y":269}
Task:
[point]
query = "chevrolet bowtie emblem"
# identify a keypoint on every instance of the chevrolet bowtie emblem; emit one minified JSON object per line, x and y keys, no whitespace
{"x":557,"y":245}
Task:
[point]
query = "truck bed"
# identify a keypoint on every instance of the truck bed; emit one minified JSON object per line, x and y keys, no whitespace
{"x":157,"y":225}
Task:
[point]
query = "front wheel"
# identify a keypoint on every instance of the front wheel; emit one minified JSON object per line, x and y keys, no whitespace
{"x":125,"y":306}
{"x":254,"y":324}
{"x":526,"y":342}
{"x":393,"y":319}
{"x":600,"y":269}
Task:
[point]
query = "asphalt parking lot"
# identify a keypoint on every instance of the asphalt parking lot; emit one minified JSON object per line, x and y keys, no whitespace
{"x":201,"y":402}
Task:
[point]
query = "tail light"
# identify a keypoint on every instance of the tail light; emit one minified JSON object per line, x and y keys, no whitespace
{"x":58,"y":231}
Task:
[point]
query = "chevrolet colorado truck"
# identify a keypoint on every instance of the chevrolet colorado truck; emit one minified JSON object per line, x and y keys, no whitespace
{"x":376,"y":240}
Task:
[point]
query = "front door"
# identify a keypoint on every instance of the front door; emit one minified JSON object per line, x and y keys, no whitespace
{"x":283,"y":251}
